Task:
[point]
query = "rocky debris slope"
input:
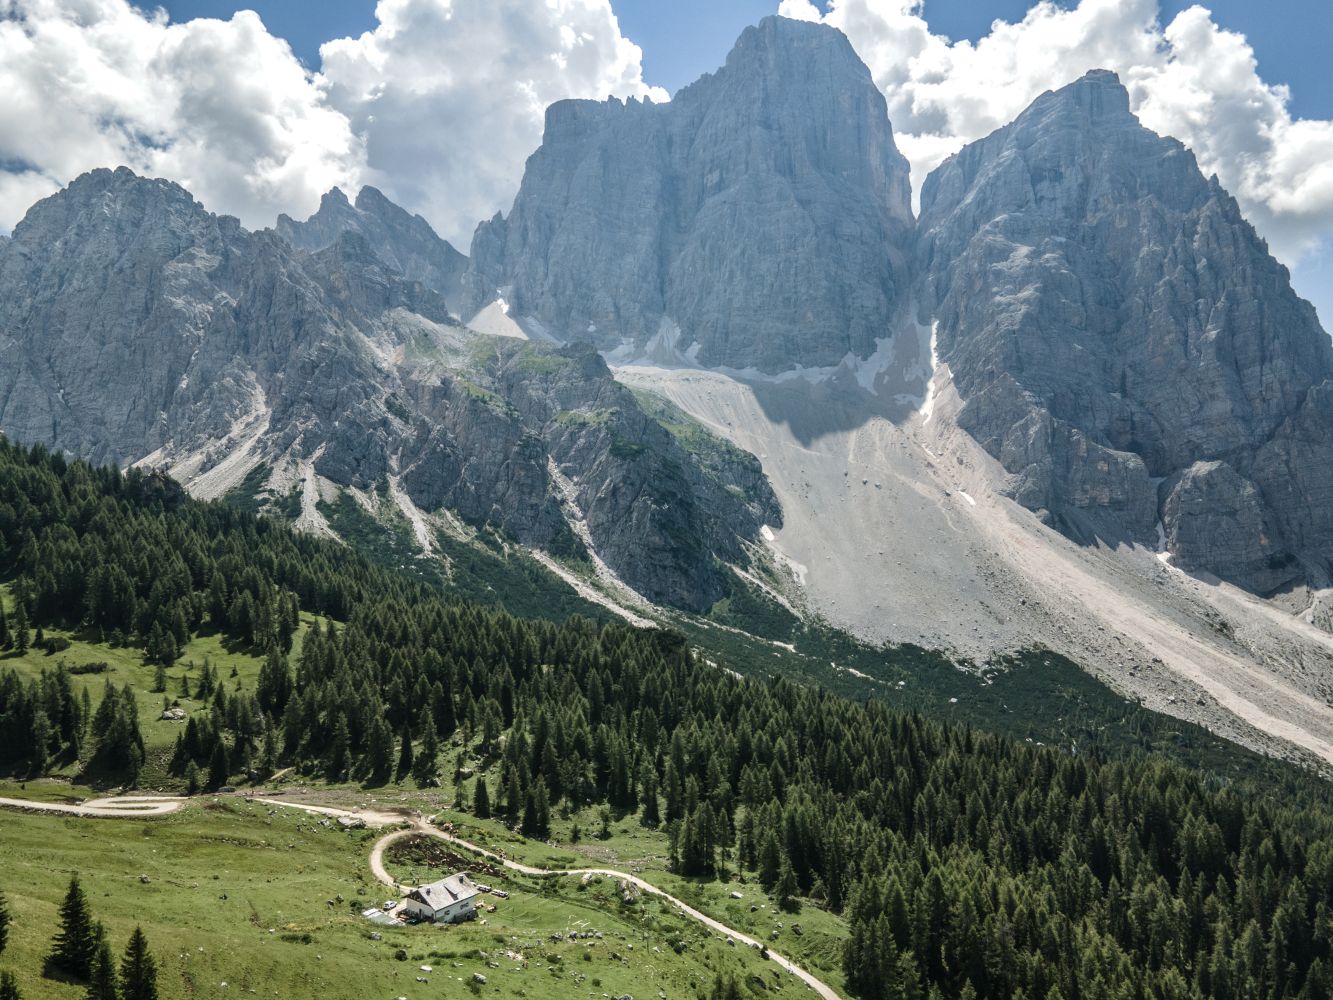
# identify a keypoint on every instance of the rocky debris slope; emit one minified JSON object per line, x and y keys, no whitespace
{"x":759,"y":220}
{"x":137,"y":327}
{"x":404,"y":242}
{"x":1126,"y":346}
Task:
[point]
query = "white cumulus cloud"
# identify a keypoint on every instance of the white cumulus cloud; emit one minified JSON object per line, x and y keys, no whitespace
{"x":223,"y":107}
{"x":450,"y":95}
{"x":439,"y":105}
{"x":1189,"y":78}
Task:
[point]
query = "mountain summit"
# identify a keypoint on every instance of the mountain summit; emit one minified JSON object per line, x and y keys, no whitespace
{"x":1126,"y":346}
{"x":760,"y":220}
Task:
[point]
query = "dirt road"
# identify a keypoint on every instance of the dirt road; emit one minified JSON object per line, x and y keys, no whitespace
{"x":122,"y":807}
{"x":421,"y":828}
{"x":140,"y":806}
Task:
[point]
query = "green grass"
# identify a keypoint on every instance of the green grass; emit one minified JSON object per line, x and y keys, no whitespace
{"x":238,"y":896}
{"x":231,"y":663}
{"x":644,"y":852}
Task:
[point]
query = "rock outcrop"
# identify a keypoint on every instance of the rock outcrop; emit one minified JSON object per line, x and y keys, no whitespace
{"x":404,"y":242}
{"x":137,"y":327}
{"x":1126,"y":346}
{"x":759,"y":220}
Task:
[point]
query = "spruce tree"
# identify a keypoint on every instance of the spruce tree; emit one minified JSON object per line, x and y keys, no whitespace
{"x":102,"y":982}
{"x":9,"y":987}
{"x":4,"y":629}
{"x":4,"y":923}
{"x":537,"y":811}
{"x":481,"y":800}
{"x":425,"y":769}
{"x":268,"y":761}
{"x":405,"y":755}
{"x":75,"y":944}
{"x":20,"y":630}
{"x":378,"y":761}
{"x":218,"y":769}
{"x":138,"y":970}
{"x":787,"y":888}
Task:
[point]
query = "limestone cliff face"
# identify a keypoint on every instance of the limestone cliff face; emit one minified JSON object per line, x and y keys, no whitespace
{"x":405,"y":243}
{"x":136,"y":326}
{"x":758,"y":220}
{"x":1126,"y":345}
{"x":1121,"y":339}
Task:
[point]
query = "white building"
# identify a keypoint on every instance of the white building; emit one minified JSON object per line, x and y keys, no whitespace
{"x":448,"y":901}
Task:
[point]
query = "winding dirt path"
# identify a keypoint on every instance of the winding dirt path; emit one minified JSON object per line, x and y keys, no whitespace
{"x":121,"y":807}
{"x":140,"y":806}
{"x":420,"y":828}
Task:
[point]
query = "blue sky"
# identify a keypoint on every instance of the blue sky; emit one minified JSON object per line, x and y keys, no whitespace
{"x":682,"y":39}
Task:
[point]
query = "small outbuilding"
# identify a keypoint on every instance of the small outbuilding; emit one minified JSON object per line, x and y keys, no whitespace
{"x":449,"y":901}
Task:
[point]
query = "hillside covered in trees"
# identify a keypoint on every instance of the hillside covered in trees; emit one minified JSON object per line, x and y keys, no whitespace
{"x":965,"y":864}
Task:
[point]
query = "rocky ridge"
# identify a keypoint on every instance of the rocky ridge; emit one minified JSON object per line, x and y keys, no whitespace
{"x":758,"y":220}
{"x":403,"y":242}
{"x":137,"y":327}
{"x":1126,"y":346}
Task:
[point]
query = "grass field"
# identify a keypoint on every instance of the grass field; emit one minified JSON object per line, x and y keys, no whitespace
{"x":231,"y":664}
{"x":237,"y":902}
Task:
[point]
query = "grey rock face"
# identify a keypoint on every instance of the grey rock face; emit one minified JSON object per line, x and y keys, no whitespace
{"x":134,"y":324}
{"x":403,"y":242}
{"x":1112,"y":321}
{"x":1214,"y":519}
{"x":760,"y":219}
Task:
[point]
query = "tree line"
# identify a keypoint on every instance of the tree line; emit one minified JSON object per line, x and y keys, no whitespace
{"x":965,"y":864}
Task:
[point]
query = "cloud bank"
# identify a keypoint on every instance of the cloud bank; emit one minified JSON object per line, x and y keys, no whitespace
{"x":222,"y":107}
{"x":439,"y":105}
{"x":450,"y":95}
{"x":1190,"y":79}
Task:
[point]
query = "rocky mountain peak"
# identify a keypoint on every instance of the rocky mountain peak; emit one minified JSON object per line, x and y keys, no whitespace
{"x":1125,"y":344}
{"x":759,"y":220}
{"x":402,"y":241}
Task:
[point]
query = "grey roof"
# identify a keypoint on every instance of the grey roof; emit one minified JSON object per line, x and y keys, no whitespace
{"x":446,"y":891}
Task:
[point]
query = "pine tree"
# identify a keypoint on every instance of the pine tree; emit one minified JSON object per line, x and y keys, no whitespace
{"x":102,"y":982}
{"x":138,"y":970}
{"x":537,"y":811}
{"x":160,"y":678}
{"x":4,"y":629}
{"x":425,"y":769}
{"x":268,"y":761}
{"x":191,"y":778}
{"x":651,"y":817}
{"x":218,"y":769}
{"x":481,"y":800}
{"x":787,"y":888}
{"x":19,"y":629}
{"x":75,"y":944}
{"x":405,"y":755}
{"x":9,"y":987}
{"x":379,"y":751}
{"x":342,"y":739}
{"x":4,"y":923}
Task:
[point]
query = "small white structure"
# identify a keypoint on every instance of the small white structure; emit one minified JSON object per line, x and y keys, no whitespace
{"x":448,"y":901}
